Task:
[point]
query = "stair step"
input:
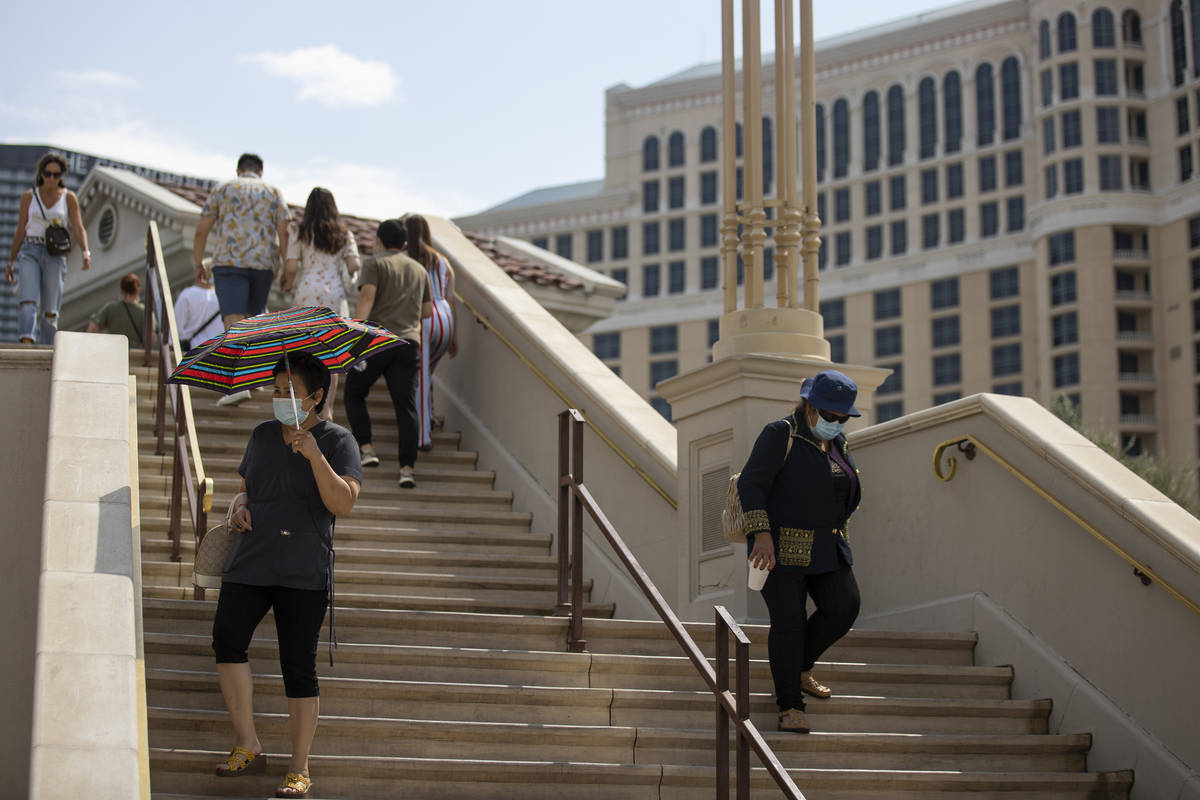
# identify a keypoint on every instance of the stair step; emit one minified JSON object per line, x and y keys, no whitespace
{"x":235,"y":446}
{"x":515,"y":605}
{"x":366,"y":534}
{"x":441,"y":476}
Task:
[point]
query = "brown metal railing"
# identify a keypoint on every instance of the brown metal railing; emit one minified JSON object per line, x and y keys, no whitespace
{"x":732,"y":707}
{"x":160,"y":309}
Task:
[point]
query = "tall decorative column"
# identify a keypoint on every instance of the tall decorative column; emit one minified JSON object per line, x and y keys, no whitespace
{"x":808,"y":124}
{"x":729,"y":216}
{"x":788,"y":216}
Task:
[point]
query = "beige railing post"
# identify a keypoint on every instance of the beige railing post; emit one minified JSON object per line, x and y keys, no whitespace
{"x":754,"y":218}
{"x":729,"y":219}
{"x":808,"y":124}
{"x":788,"y":216}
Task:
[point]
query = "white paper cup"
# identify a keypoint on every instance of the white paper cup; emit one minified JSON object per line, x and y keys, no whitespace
{"x":757,"y":577}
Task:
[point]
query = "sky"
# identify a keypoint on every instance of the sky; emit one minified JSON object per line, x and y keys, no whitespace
{"x":439,"y":107}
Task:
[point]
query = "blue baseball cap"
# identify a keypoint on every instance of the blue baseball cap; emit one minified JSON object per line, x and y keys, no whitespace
{"x":831,"y":390}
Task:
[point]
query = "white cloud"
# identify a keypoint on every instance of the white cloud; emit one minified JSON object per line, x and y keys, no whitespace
{"x":330,"y":76}
{"x":95,"y":78}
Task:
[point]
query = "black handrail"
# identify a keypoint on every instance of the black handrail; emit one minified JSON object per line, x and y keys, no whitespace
{"x":573,"y":499}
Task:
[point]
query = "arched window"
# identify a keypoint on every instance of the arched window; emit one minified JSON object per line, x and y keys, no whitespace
{"x":1195,"y":13}
{"x":1044,"y":39}
{"x":768,"y":154}
{"x":675,"y":145}
{"x":871,"y":131}
{"x":1178,"y":43}
{"x":820,"y":142}
{"x":708,"y":144}
{"x":927,"y":101}
{"x":1131,"y":28}
{"x":841,"y":138}
{"x":1010,"y":92}
{"x":1066,"y":32}
{"x":895,"y":112}
{"x":985,"y":105}
{"x":650,"y":154}
{"x":952,"y":97}
{"x":737,"y":137}
{"x":1104,"y":28}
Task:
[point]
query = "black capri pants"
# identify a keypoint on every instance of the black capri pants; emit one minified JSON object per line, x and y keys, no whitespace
{"x":299,"y":614}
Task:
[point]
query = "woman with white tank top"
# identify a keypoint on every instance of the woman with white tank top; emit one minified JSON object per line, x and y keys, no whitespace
{"x":41,"y":275}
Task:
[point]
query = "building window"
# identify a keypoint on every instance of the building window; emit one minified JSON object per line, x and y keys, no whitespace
{"x":739,"y":184}
{"x":1110,"y":173}
{"x":841,"y":138}
{"x":887,"y":341}
{"x":841,"y":204}
{"x":1185,"y":163}
{"x":737,"y":138}
{"x":929,"y":186}
{"x":662,"y":407}
{"x":768,"y":263}
{"x":709,"y":236}
{"x":1108,"y":125}
{"x":874,"y":198}
{"x":1106,"y":77}
{"x":675,"y":149}
{"x":871,"y":131}
{"x":1014,"y":168}
{"x":837,"y":349}
{"x":1072,"y":129}
{"x":1066,"y":32}
{"x":895,"y":112}
{"x":1183,"y":118}
{"x":947,"y":369}
{"x":664,"y":339}
{"x":1004,"y":282}
{"x":1012,"y":388}
{"x":1051,"y":181}
{"x":927,"y":100}
{"x":944,"y":293}
{"x":563,"y":244}
{"x":898,"y":189}
{"x":842,"y":248}
{"x":621,"y":275}
{"x":930,"y":231}
{"x":821,"y":208}
{"x":708,"y":145}
{"x":542,"y":242}
{"x":607,"y":346}
{"x":1062,"y":248}
{"x":954,"y":181}
{"x":661,"y":370}
{"x":595,"y":246}
{"x":708,"y":188}
{"x":710,"y":269}
{"x":1068,"y":81}
{"x":1104,"y":29}
{"x":942,"y":398}
{"x":768,"y":155}
{"x":1016,"y":214}
{"x":887,"y":304}
{"x":676,"y":277}
{"x":874,"y":242}
{"x":1047,"y":88}
{"x":714,"y":331}
{"x":675,"y":192}
{"x":1073,"y":176}
{"x":1062,"y":289}
{"x":1010,"y":88}
{"x":650,"y":280}
{"x":889,"y":411}
{"x":650,"y":238}
{"x":1049,"y":140}
{"x":1006,"y":321}
{"x":1066,"y":370}
{"x":989,"y":219}
{"x":1044,"y":40}
{"x":1139,"y":173}
{"x":1178,"y":43}
{"x":946,"y":331}
{"x":956,"y":224}
{"x":952,"y":99}
{"x":894,"y":383}
{"x":833,"y":312}
{"x":650,"y":154}
{"x":985,"y":105}
{"x":677,"y":234}
{"x":1064,"y":329}
{"x":1195,"y":25}
{"x":649,"y":197}
{"x":1194,"y":233}
{"x":1006,"y":360}
{"x":820,"y":115}
{"x":987,"y":173}
{"x":620,"y":243}
{"x":1135,"y":79}
{"x":899,"y":237}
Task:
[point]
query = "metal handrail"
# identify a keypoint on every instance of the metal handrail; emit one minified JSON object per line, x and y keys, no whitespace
{"x":968,"y":445}
{"x":160,"y":307}
{"x":573,"y":499}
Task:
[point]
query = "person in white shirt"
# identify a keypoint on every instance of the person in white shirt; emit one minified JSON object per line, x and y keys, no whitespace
{"x":197,"y":313}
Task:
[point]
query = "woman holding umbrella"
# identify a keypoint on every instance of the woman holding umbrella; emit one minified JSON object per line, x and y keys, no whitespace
{"x":299,"y":473}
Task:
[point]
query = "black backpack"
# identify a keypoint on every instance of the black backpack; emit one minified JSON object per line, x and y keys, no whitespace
{"x":58,"y":238}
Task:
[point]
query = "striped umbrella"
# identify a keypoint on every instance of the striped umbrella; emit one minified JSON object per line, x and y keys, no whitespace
{"x":244,"y":356}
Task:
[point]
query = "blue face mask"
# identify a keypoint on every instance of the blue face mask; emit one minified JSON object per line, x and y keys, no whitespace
{"x":826,"y":430}
{"x":285,"y":414}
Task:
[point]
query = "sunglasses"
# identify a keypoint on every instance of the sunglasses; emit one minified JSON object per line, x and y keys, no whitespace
{"x":829,"y":416}
{"x":49,"y":174}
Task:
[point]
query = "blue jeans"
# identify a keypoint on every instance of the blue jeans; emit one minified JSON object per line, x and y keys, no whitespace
{"x":242,"y":291}
{"x":40,"y":279}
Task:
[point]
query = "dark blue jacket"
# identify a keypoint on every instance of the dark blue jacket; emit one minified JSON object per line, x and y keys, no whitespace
{"x":795,"y":500}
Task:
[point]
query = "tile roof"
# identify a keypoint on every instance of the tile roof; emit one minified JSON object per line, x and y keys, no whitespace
{"x":519,"y":268}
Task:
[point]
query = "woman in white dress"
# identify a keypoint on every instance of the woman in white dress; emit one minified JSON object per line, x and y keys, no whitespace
{"x":318,"y":248}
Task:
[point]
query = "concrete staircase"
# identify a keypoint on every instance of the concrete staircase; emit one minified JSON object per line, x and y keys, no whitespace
{"x":451,"y":681}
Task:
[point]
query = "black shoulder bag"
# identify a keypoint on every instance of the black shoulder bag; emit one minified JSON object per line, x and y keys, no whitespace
{"x":58,"y":238}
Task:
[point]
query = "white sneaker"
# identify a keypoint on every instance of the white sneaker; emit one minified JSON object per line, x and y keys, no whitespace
{"x":407,"y":481}
{"x":235,"y":398}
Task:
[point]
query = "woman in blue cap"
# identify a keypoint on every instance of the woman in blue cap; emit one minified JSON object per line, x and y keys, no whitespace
{"x":796,"y":503}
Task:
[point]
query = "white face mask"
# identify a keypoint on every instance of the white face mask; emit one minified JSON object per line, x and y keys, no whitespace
{"x":284,"y":410}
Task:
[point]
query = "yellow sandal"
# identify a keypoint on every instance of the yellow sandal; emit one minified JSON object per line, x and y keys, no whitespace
{"x":294,"y":785}
{"x":242,"y":762}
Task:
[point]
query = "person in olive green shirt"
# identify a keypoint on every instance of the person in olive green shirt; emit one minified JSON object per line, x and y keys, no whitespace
{"x":125,"y":316}
{"x":394,"y":293}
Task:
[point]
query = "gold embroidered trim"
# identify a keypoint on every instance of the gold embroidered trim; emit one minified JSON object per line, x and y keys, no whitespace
{"x":756,"y":520}
{"x":844,"y":532}
{"x":795,"y":547}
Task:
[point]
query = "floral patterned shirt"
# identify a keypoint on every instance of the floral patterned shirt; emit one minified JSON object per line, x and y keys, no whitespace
{"x":248,"y":212}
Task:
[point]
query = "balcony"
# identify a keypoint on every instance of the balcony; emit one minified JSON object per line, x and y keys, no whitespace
{"x":1139,"y":420}
{"x":1144,"y":339}
{"x":1136,"y":379}
{"x":1131,"y":255}
{"x":1133,"y":297}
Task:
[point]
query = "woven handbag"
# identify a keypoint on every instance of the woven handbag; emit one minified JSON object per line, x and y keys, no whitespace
{"x":733,"y":521}
{"x":212,"y":552}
